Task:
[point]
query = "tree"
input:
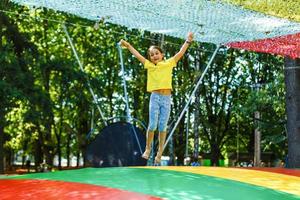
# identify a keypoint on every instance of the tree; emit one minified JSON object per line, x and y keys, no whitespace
{"x":16,"y":80}
{"x":292,"y":82}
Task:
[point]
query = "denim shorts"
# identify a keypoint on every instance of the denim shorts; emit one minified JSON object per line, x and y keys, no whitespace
{"x":159,"y":111}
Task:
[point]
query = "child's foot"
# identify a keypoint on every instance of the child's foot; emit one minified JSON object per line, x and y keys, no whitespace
{"x":157,"y":159}
{"x":146,"y":154}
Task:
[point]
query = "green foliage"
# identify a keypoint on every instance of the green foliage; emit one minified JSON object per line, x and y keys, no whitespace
{"x":46,"y":105}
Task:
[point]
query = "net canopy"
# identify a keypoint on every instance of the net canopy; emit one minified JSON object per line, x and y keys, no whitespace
{"x":289,"y":9}
{"x":211,"y":21}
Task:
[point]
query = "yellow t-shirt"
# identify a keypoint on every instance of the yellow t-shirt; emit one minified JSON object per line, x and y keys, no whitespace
{"x":159,"y":76}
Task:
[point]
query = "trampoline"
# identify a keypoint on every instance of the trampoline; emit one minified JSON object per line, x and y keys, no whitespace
{"x":212,"y":22}
{"x":155,"y":183}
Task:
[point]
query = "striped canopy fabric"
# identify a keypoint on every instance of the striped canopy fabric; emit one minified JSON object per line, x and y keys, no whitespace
{"x":211,"y":21}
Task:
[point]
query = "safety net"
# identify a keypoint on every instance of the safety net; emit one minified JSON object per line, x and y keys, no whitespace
{"x":215,"y":22}
{"x":116,"y":146}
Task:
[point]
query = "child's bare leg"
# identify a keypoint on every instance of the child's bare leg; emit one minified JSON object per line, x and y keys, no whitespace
{"x":150,"y":136}
{"x":161,"y":143}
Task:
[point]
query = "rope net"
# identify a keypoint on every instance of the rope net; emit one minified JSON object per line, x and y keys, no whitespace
{"x":212,"y":21}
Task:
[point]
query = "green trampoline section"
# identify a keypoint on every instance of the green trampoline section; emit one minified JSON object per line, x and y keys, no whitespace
{"x":165,"y":184}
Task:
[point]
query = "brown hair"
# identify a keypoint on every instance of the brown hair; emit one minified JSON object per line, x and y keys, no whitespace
{"x":154,"y":47}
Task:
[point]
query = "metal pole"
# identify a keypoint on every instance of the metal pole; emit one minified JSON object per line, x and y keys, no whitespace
{"x":187,"y":134}
{"x":81,"y":67}
{"x":126,"y":96}
{"x":238,"y":143}
{"x":257,"y":139}
{"x":192,"y":94}
{"x":257,"y":133}
{"x":124,"y":82}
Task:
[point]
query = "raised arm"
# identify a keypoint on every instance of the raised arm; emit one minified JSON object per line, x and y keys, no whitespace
{"x":184,"y":47}
{"x":133,"y":51}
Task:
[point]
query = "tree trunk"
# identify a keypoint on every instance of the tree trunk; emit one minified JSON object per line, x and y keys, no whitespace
{"x":1,"y":122}
{"x":38,"y":146}
{"x":292,"y":82}
{"x":171,"y":151}
{"x":257,"y":141}
{"x":38,"y":155}
{"x":196,"y":125}
{"x":59,"y":151}
{"x":215,"y":155}
{"x":82,"y":128}
{"x":180,"y":143}
{"x":68,"y":151}
{"x":78,"y":159}
{"x":48,"y":148}
{"x":59,"y":134}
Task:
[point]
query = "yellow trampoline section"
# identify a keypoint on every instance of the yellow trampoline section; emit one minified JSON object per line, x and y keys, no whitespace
{"x":276,"y":181}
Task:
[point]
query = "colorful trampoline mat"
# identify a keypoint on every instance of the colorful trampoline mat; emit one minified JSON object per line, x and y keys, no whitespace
{"x":201,"y":183}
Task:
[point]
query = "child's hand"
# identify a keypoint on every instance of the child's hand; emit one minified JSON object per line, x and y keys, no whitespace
{"x":124,"y":43}
{"x":190,"y":37}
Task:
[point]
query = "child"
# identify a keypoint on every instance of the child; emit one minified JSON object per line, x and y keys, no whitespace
{"x":159,"y":84}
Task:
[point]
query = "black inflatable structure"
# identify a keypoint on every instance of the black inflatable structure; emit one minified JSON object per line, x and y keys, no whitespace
{"x":116,"y":145}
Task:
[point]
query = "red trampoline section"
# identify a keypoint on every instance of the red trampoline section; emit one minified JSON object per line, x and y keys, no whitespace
{"x":291,"y":172}
{"x":287,"y":45}
{"x":45,"y":189}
